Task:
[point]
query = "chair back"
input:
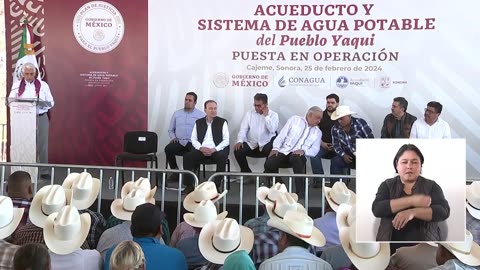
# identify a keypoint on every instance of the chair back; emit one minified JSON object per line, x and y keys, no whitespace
{"x":140,"y":142}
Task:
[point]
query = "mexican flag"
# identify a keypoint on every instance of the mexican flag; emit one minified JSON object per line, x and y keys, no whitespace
{"x":26,"y":53}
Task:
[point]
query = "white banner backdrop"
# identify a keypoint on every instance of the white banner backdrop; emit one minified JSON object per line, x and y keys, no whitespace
{"x":297,"y":53}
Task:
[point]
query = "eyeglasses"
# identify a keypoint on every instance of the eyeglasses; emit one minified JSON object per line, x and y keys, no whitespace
{"x":430,"y":111}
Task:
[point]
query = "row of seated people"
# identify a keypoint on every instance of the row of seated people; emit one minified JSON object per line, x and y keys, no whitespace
{"x":329,"y":134}
{"x":58,"y":218}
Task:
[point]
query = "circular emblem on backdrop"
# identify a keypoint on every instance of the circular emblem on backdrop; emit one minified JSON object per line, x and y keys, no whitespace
{"x":342,"y":82}
{"x":220,"y":80}
{"x":98,"y":27}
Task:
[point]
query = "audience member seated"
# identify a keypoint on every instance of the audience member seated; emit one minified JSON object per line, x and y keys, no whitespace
{"x":473,"y":210}
{"x":64,"y":232}
{"x":132,"y":195}
{"x":210,"y":139}
{"x":420,"y":256}
{"x":458,"y":255}
{"x":327,"y":224}
{"x":19,"y":188}
{"x":336,"y":257}
{"x":83,"y":190}
{"x":257,"y":132}
{"x":398,"y":124}
{"x":204,"y":213}
{"x":204,"y":191}
{"x":239,"y":260}
{"x":146,"y":230}
{"x":10,"y":218}
{"x":296,"y":236}
{"x":32,"y":256}
{"x":300,"y":137}
{"x":431,"y":126}
{"x":128,"y":255}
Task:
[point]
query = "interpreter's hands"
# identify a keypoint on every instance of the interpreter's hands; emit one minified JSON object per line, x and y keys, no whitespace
{"x":348,"y":159}
{"x":299,"y":152}
{"x":273,"y":153}
{"x":402,"y":218}
{"x":421,"y":200}
{"x":238,"y":146}
{"x":174,"y":140}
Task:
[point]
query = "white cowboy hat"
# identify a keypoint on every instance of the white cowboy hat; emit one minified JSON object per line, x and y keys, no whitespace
{"x":204,"y":191}
{"x":372,"y":255}
{"x":220,"y":238}
{"x":271,"y":194}
{"x":82,"y":189}
{"x":300,"y":225}
{"x":341,"y":111}
{"x":467,"y":252}
{"x":65,"y":231}
{"x":284,"y":202}
{"x":9,"y":217}
{"x":48,"y":200}
{"x":140,"y":183}
{"x":123,"y":208}
{"x":339,"y":194}
{"x":473,"y":199}
{"x":203,"y":214}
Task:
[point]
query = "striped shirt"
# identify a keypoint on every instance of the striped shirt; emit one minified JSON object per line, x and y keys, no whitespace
{"x":346,"y":142}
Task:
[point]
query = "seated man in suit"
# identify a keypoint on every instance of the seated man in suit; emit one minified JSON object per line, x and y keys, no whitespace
{"x":210,"y":139}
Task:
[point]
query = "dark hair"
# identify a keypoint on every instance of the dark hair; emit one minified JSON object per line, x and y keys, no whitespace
{"x":32,"y":256}
{"x":335,"y":96}
{"x":261,"y":97}
{"x":436,"y":105}
{"x":146,"y":220}
{"x":208,"y":101}
{"x":296,"y":242}
{"x":403,"y":149}
{"x":192,"y":94}
{"x":402,"y":102}
{"x":18,"y":181}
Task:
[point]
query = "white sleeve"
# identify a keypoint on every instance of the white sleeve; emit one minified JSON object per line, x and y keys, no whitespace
{"x":226,"y":138}
{"x":271,"y":121}
{"x":194,"y":138}
{"x":242,"y":133}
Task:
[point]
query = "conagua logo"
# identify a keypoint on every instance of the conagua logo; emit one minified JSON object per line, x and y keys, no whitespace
{"x":98,"y":27}
{"x":282,"y":83}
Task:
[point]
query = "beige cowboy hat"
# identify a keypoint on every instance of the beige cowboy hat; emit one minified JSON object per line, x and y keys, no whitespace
{"x":271,"y":194}
{"x":338,"y":194}
{"x":204,"y":191}
{"x":65,"y":231}
{"x":473,"y":199}
{"x":81,"y":189}
{"x":9,"y":217}
{"x":48,"y":200}
{"x":220,"y":238}
{"x":341,"y":111}
{"x":300,"y":225}
{"x":203,"y":214}
{"x":141,"y":183}
{"x":372,"y":255}
{"x":467,"y":252}
{"x":123,"y":208}
{"x":284,"y":202}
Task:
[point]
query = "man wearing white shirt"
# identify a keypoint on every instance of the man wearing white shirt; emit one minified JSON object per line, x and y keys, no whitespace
{"x":299,"y":137}
{"x":30,"y":87}
{"x":432,"y":126}
{"x":210,"y":139}
{"x":257,"y":132}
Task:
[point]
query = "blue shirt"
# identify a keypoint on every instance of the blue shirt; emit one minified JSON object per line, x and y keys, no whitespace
{"x":157,"y":256}
{"x":181,"y":125}
{"x":328,"y":226}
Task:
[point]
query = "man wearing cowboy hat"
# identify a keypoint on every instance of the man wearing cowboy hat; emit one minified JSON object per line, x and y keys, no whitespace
{"x":344,"y":135}
{"x":9,"y":219}
{"x":458,"y":255}
{"x":300,"y":137}
{"x":473,"y":210}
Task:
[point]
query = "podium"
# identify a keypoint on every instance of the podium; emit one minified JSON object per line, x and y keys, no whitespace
{"x":23,"y":132}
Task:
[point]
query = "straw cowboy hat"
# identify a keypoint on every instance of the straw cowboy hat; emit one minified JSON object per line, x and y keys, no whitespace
{"x":283,"y":203}
{"x":140,"y":183}
{"x":372,"y":255}
{"x":271,"y":194}
{"x":48,"y":200}
{"x":220,"y":238}
{"x":81,"y":189}
{"x":467,"y":252}
{"x":204,"y":191}
{"x":473,"y":199}
{"x":339,"y":194}
{"x":341,"y":111}
{"x":9,"y":217}
{"x":123,"y":208}
{"x":203,"y":214}
{"x":300,"y":225}
{"x":65,"y":231}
